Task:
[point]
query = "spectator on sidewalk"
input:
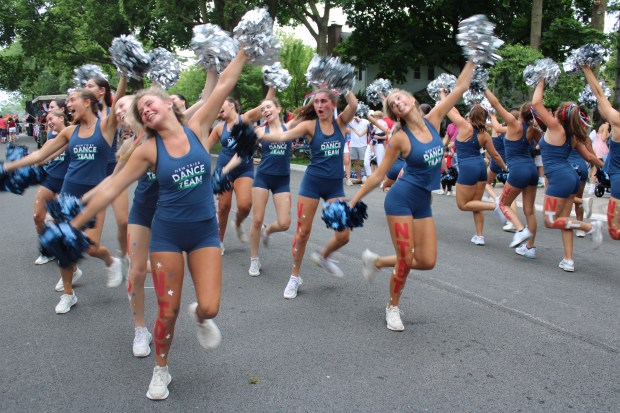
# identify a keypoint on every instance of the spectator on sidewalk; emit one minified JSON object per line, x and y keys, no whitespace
{"x":358,"y":144}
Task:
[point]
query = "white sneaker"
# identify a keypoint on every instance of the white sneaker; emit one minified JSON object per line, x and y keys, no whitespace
{"x":264,"y":236}
{"x":586,"y":203}
{"x":327,"y":264}
{"x":451,"y":193}
{"x":66,"y":302}
{"x":499,"y":212}
{"x":439,"y":191}
{"x":392,"y":317}
{"x":579,"y":233}
{"x":364,"y":179}
{"x":43,"y":259}
{"x":591,"y":189}
{"x":254,"y":267}
{"x":208,"y":333}
{"x":525,"y":251}
{"x":567,"y":265}
{"x":348,"y":182}
{"x":239,"y":231}
{"x":141,"y":342}
{"x":158,"y":389}
{"x":486,"y":198}
{"x":509,"y":227}
{"x":520,"y":237}
{"x":597,"y":233}
{"x":290,"y":291}
{"x":77,"y":274}
{"x":114,"y":273}
{"x":478,"y":239}
{"x":222,"y":248}
{"x":370,"y":270}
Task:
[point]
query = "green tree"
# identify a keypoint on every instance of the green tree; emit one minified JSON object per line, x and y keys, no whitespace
{"x":295,"y":57}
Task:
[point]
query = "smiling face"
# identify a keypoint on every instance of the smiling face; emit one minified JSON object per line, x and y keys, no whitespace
{"x":122,"y":106}
{"x":96,"y":89}
{"x":78,"y":106}
{"x":54,"y":122}
{"x":323,"y":105}
{"x":153,"y":110}
{"x":227,"y":110}
{"x":270,"y":110}
{"x":400,"y":103}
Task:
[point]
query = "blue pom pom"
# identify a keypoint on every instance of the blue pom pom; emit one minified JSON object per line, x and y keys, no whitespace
{"x":220,"y":182}
{"x":502,"y":176}
{"x":336,"y":215}
{"x":64,"y":242}
{"x":357,"y":215}
{"x":244,"y":140}
{"x":15,"y":152}
{"x":66,"y":207}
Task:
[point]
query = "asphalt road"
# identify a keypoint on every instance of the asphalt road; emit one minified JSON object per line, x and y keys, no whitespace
{"x":486,"y":330}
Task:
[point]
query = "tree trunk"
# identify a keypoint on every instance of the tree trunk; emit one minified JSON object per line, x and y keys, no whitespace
{"x":598,"y":15}
{"x":536,"y":27}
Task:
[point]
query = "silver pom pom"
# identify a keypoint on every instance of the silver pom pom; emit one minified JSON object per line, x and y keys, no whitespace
{"x":443,"y":82}
{"x":214,"y":47}
{"x":479,"y":80}
{"x":276,"y":76}
{"x":165,"y":69}
{"x":587,"y":98}
{"x":486,"y":105}
{"x":543,"y":69}
{"x":255,"y":33}
{"x":129,"y":57}
{"x":478,"y":41}
{"x":378,"y":90}
{"x":472,"y":98}
{"x":85,"y":72}
{"x":586,"y":55}
{"x":362,"y":110}
{"x":329,"y":72}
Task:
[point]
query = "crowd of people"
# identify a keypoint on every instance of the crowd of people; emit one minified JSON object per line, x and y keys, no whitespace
{"x":97,"y":145}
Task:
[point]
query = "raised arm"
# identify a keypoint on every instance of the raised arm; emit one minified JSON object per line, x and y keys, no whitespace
{"x":461,"y":123}
{"x":378,"y":124}
{"x":110,"y":123}
{"x":348,"y":113}
{"x":510,"y":120}
{"x":207,"y":113}
{"x":604,"y":106}
{"x":440,"y":111}
{"x":496,"y":125}
{"x":254,"y":115}
{"x":541,"y":111}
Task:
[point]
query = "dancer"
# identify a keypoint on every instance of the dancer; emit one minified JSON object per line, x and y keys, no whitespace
{"x":613,"y":158}
{"x":56,"y":169}
{"x":102,"y":90}
{"x":89,"y":143}
{"x":523,"y":176}
{"x":323,"y":177}
{"x":564,"y":131}
{"x":472,"y":178}
{"x":273,"y":174}
{"x":185,"y":219}
{"x":408,"y":204}
{"x":243,"y":176}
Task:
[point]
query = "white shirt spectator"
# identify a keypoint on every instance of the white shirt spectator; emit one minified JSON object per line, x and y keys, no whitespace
{"x":359,"y":131}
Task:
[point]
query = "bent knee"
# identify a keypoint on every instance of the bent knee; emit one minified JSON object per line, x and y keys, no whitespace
{"x":208,"y":311}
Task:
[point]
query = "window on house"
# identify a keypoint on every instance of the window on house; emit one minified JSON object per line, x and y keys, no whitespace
{"x":431,"y":73}
{"x":417,"y":73}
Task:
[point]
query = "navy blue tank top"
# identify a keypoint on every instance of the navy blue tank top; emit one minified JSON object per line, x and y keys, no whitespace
{"x":469,"y":149}
{"x":518,"y":152}
{"x":326,"y":153}
{"x":613,"y":159}
{"x":575,"y":159}
{"x":555,"y":157}
{"x":89,"y":157}
{"x":424,"y":160}
{"x":498,"y":143}
{"x":185,"y":193}
{"x":57,"y":167}
{"x":227,"y":141}
{"x":276,"y":157}
{"x":147,"y":191}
